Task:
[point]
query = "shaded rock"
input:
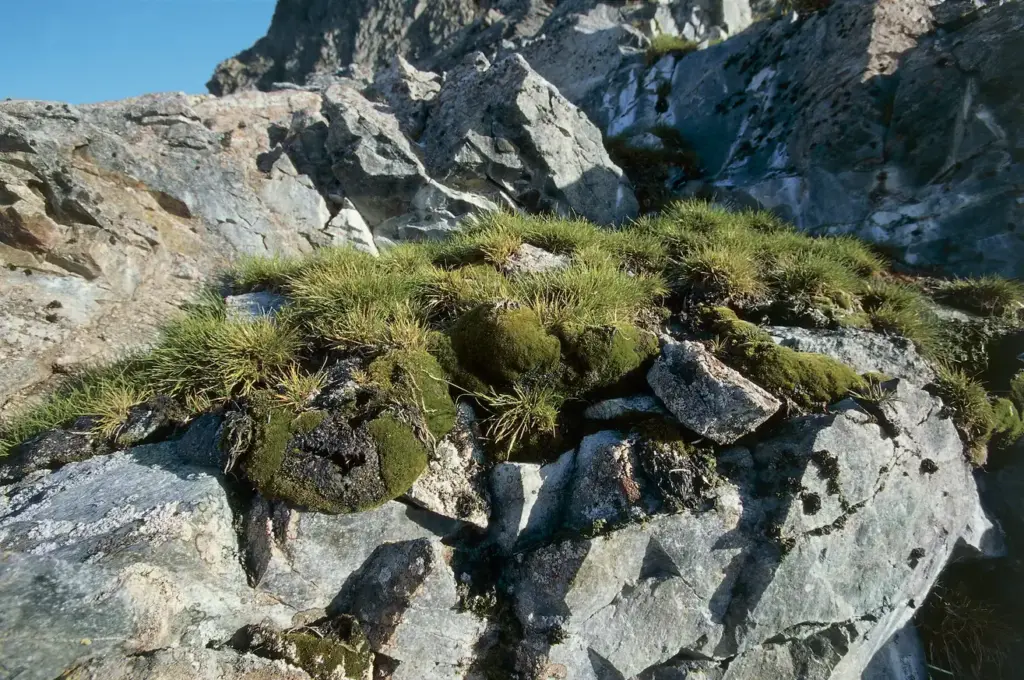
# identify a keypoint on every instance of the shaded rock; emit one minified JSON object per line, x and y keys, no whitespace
{"x":292,"y":555}
{"x":865,"y":351}
{"x":119,"y":555}
{"x":406,"y":599}
{"x":844,"y":121}
{"x":194,"y":663}
{"x":529,"y":500}
{"x":902,"y":658}
{"x":605,"y":487}
{"x":707,"y":396}
{"x":624,"y":407}
{"x":150,"y":421}
{"x":454,"y":484}
{"x":53,"y":449}
{"x":532,"y":260}
{"x":505,"y":124}
{"x":253,"y":305}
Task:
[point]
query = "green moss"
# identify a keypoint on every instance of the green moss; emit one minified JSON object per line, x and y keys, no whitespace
{"x":415,"y":379}
{"x":664,"y":44}
{"x":403,"y":458}
{"x":607,"y":355}
{"x":1017,"y":391}
{"x":810,"y":380}
{"x":501,"y":346}
{"x":275,"y":426}
{"x":335,"y":649}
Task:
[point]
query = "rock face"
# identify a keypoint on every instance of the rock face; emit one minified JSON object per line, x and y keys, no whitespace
{"x":113,"y":214}
{"x":720,"y":583}
{"x":872,"y":117}
{"x":504,"y":124}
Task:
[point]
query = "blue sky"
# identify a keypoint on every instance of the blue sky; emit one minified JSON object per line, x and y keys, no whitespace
{"x":84,"y":51}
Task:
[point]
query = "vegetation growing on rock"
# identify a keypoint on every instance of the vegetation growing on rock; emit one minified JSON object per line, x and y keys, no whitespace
{"x":430,"y":322}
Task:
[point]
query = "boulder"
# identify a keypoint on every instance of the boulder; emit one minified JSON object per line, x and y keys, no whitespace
{"x":707,"y":396}
{"x":253,"y":305}
{"x":52,"y":449}
{"x":605,"y":487}
{"x":529,"y":259}
{"x":864,"y":351}
{"x":120,"y":555}
{"x":348,"y":228}
{"x":504,"y":124}
{"x":408,"y":92}
{"x":529,"y":500}
{"x":826,"y":496}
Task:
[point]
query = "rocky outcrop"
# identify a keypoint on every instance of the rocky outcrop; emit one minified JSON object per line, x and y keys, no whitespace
{"x":720,"y":583}
{"x":111,"y":215}
{"x":872,"y":118}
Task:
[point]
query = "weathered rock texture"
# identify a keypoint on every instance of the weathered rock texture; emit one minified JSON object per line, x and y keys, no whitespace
{"x":873,"y":118}
{"x":762,"y":579}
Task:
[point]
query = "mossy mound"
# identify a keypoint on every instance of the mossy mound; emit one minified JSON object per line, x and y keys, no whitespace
{"x":501,"y":346}
{"x":319,"y":461}
{"x":604,"y":356}
{"x":415,"y":379}
{"x":334,"y":649}
{"x":809,"y":380}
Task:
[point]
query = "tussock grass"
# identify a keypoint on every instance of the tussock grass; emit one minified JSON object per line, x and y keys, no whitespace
{"x":521,"y":344}
{"x":968,"y":405}
{"x":104,"y":393}
{"x":989,"y":296}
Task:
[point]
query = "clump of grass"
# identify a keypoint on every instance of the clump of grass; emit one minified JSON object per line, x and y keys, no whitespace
{"x":967,"y":403}
{"x":252,"y":272}
{"x":664,"y":44}
{"x":814,"y":275}
{"x":966,"y":635}
{"x":296,"y":388}
{"x":723,"y":272}
{"x":104,"y":393}
{"x":204,"y":354}
{"x":989,"y":296}
{"x":902,"y":310}
{"x":522,"y":414}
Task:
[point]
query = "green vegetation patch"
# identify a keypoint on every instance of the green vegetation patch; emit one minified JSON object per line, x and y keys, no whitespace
{"x":810,"y":380}
{"x":967,"y":403}
{"x":502,"y":345}
{"x":403,"y":458}
{"x":415,"y":380}
{"x":274,"y":430}
{"x":604,"y":356}
{"x":664,"y":44}
{"x":989,"y":296}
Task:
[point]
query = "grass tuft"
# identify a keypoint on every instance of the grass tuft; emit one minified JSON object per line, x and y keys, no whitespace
{"x":989,"y":296}
{"x":664,"y":44}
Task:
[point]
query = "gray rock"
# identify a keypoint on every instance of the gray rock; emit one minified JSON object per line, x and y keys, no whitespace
{"x":348,"y":228}
{"x":787,"y":115}
{"x":253,"y":305}
{"x":828,"y":496}
{"x":532,"y":260}
{"x":409,"y":93}
{"x":53,"y":449}
{"x":194,"y":663}
{"x":623,"y":407}
{"x":901,"y":658}
{"x":308,"y":37}
{"x":706,"y":395}
{"x":507,"y":125}
{"x":147,"y":198}
{"x":529,"y":500}
{"x":606,"y":483}
{"x":293,"y":555}
{"x":407,"y":600}
{"x":454,"y":484}
{"x":119,"y":555}
{"x":862,"y":350}
{"x":150,"y":421}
